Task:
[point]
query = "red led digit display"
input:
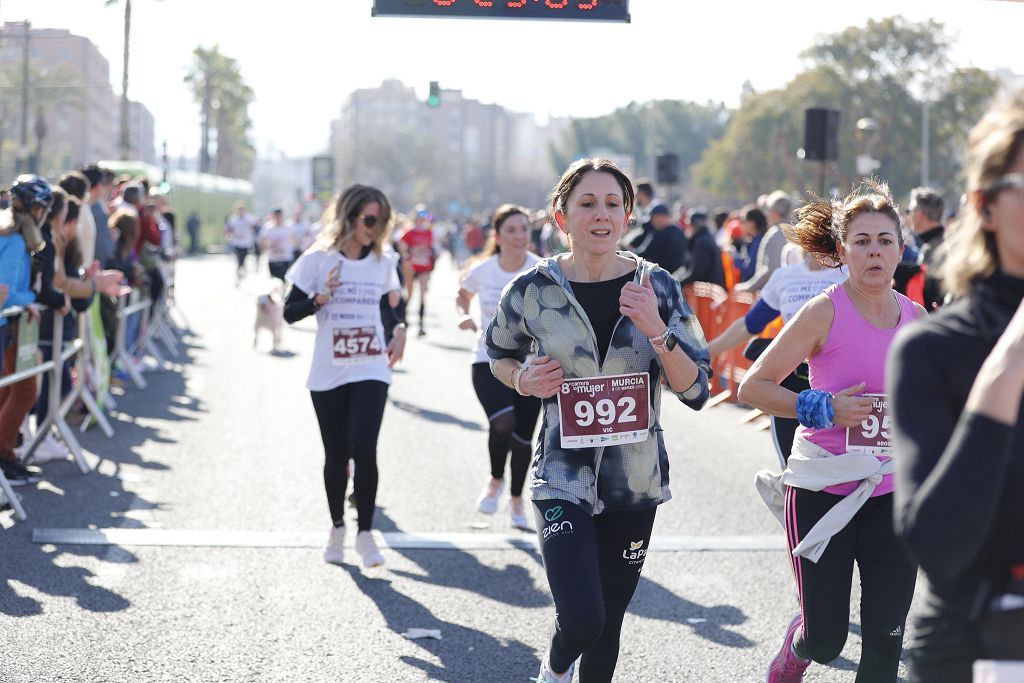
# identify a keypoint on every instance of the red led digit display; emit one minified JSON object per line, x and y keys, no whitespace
{"x":594,"y":10}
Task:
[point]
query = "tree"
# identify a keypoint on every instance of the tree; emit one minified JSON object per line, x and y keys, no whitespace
{"x":644,"y":130}
{"x":408,"y":167}
{"x":224,"y":99}
{"x":882,"y":70}
{"x":51,"y":93}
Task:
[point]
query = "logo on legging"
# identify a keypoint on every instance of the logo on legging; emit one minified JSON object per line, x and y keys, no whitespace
{"x":556,"y":528}
{"x":636,"y":552}
{"x":553,"y":514}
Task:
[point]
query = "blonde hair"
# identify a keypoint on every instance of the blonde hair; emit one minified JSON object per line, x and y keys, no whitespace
{"x":822,"y":223}
{"x":340,"y":216}
{"x":992,"y":147}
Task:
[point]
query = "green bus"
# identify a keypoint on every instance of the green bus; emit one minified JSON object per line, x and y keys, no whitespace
{"x":210,"y":196}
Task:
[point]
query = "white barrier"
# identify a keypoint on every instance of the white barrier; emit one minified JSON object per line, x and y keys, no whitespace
{"x":158,"y":326}
{"x":56,"y":413}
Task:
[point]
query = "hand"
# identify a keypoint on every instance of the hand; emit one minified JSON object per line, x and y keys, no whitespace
{"x":108,"y":282}
{"x":396,"y":347}
{"x":94,"y":268}
{"x":3,"y":295}
{"x":66,"y":308}
{"x":639,"y":303}
{"x":333,"y":280}
{"x":33,"y":312}
{"x":541,"y":378}
{"x":466,"y":323}
{"x":850,"y":409}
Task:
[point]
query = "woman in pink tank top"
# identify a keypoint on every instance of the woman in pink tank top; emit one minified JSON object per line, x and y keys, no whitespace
{"x":844,"y":335}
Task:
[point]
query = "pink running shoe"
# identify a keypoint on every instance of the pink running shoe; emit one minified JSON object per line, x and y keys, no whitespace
{"x":787,"y":667}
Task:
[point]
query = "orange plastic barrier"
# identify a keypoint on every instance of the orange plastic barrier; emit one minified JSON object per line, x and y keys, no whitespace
{"x":732,"y":273}
{"x":716,"y":310}
{"x":709,"y":303}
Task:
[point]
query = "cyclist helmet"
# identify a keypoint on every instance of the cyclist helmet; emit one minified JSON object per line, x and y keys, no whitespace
{"x":32,"y":190}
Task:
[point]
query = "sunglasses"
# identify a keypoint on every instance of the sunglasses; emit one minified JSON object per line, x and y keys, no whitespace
{"x":368,"y":221}
{"x":1014,"y":181}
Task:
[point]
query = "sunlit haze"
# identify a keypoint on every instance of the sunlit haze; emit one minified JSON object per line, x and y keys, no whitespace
{"x":303,"y":57}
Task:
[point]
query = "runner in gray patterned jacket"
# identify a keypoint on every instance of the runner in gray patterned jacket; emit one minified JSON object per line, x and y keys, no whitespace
{"x":540,"y":307}
{"x":606,"y":325}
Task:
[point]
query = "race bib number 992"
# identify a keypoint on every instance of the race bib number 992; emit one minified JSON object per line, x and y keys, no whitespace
{"x":602,"y":411}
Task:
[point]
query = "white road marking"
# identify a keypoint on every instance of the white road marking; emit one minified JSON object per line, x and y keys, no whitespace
{"x":229,"y":538}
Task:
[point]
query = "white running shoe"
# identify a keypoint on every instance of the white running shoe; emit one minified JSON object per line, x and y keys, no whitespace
{"x":546,"y":675}
{"x":489,"y":497}
{"x":367,"y":548}
{"x":334,"y":553}
{"x":517,"y":514}
{"x":48,"y":450}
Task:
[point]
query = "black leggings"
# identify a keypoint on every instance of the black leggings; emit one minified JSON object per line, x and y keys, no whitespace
{"x":350,"y":418}
{"x":593,"y":565}
{"x":887,"y":578}
{"x":513,"y":419}
{"x":784,"y":428}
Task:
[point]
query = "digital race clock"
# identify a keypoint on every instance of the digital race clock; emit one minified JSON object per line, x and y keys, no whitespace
{"x":595,"y":10}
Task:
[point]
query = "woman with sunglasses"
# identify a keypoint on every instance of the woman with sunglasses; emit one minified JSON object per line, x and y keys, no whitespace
{"x":957,"y":380}
{"x":341,"y":280}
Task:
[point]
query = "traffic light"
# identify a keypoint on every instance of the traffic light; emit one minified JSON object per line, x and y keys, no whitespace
{"x":667,"y":169}
{"x":434,"y":99}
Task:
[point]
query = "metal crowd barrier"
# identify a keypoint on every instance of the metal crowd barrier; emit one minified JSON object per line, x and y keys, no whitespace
{"x":156,"y":324}
{"x":57,"y":411}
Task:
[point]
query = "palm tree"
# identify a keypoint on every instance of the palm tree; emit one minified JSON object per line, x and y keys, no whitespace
{"x":125,"y":139}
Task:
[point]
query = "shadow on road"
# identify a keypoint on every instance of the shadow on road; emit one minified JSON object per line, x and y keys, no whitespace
{"x":654,"y":601}
{"x":511,"y":585}
{"x":434,"y":415}
{"x":466,"y":654}
{"x":68,"y":499}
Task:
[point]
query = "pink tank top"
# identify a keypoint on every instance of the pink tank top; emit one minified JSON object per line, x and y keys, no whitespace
{"x":854,"y":352}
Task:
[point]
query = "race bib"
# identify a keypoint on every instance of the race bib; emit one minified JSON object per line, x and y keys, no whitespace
{"x":354,"y":345}
{"x":873,"y":434}
{"x":604,"y":411}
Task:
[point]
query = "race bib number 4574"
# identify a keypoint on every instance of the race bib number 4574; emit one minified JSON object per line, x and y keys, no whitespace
{"x":356,"y":345}
{"x":604,"y":411}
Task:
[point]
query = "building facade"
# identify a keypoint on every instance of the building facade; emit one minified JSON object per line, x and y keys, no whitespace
{"x":463,"y":157}
{"x":73,"y":113}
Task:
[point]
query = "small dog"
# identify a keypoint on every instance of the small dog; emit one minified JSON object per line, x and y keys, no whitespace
{"x":269,"y":316}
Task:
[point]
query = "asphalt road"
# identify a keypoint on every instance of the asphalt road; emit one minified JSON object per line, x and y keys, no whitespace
{"x":221,"y":452}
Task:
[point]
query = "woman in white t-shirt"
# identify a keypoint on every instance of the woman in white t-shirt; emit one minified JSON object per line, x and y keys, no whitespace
{"x":512,"y":417}
{"x":341,"y":280}
{"x":785,"y":293}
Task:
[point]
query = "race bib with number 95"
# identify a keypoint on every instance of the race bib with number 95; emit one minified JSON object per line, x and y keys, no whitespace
{"x":602,"y":411}
{"x":873,"y":435}
{"x":356,"y":345}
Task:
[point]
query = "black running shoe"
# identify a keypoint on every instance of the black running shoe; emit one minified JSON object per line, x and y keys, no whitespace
{"x":20,"y":475}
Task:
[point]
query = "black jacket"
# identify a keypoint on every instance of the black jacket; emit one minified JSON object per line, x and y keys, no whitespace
{"x":960,"y":476}
{"x":933,"y":252}
{"x":705,"y":262}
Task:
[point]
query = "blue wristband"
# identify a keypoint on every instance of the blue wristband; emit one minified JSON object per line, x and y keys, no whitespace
{"x":814,"y":409}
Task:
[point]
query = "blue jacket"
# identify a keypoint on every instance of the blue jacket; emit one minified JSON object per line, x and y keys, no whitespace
{"x":538,"y":309}
{"x":15,"y":264}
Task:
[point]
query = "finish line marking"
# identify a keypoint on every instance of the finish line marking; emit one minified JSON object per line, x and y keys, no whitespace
{"x":226,"y":538}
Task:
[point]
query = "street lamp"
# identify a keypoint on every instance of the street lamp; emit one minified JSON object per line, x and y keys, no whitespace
{"x":867,"y":135}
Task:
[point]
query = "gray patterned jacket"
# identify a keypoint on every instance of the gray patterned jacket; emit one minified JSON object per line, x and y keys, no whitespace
{"x":538,"y":307}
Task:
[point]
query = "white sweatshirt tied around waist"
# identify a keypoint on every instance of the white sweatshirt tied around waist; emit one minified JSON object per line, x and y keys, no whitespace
{"x":813,"y":468}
